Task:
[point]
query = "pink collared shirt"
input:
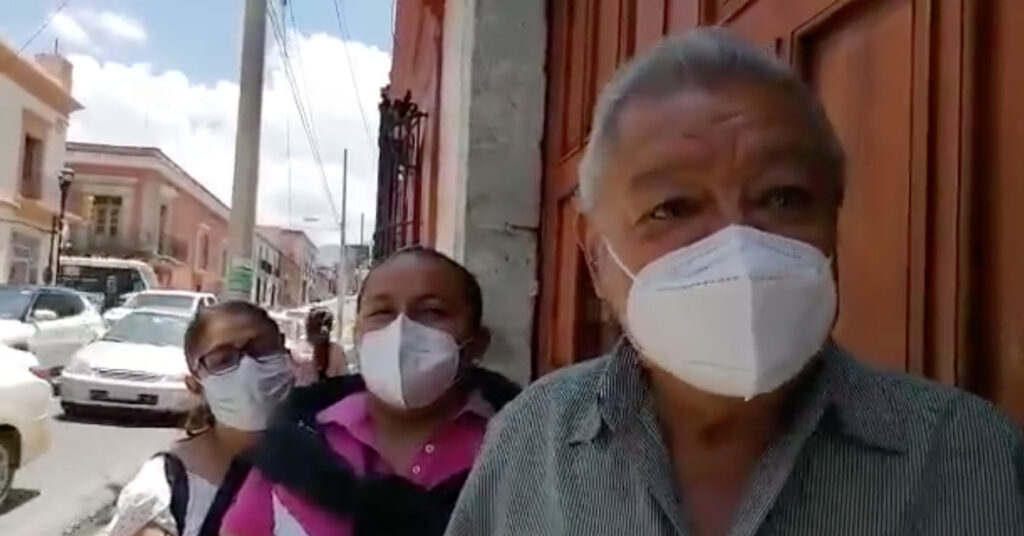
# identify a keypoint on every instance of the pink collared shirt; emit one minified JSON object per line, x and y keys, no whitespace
{"x":348,"y":428}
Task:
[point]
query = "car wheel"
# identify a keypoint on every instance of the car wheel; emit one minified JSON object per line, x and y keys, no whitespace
{"x":73,"y":411}
{"x":7,"y":453}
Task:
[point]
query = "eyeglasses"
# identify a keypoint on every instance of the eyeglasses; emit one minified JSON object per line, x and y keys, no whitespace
{"x":227,"y":357}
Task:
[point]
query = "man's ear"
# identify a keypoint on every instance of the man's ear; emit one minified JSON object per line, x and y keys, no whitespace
{"x":590,"y":244}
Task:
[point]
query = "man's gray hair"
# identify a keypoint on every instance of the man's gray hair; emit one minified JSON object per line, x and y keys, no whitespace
{"x":705,"y":58}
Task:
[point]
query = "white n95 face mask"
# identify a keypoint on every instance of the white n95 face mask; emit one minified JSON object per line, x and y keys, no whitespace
{"x":245,"y":397}
{"x":407,"y":364}
{"x":737,"y":313}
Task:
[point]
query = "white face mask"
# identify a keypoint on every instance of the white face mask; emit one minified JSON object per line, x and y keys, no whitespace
{"x":245,"y":397}
{"x":737,"y":313}
{"x":407,"y":364}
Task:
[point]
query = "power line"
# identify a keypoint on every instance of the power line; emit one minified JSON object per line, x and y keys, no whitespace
{"x":304,"y":118}
{"x":394,"y":21}
{"x":343,"y":27}
{"x":302,"y":65}
{"x":44,"y":25}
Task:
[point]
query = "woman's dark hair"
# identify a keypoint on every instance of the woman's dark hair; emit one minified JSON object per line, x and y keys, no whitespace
{"x":470,"y":286}
{"x":201,"y":419}
{"x":318,"y":332}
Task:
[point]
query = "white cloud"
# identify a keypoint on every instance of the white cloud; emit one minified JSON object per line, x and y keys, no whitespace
{"x":65,"y":27}
{"x":195,"y":125}
{"x":116,"y":25}
{"x":84,"y":30}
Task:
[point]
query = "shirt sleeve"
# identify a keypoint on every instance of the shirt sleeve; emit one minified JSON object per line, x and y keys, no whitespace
{"x":144,"y":501}
{"x":977,"y":482}
{"x":483,"y":504}
{"x":252,"y":513}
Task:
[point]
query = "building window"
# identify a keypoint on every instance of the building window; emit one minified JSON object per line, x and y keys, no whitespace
{"x":400,"y":140}
{"x":32,"y":168}
{"x":106,"y":215}
{"x":162,"y":229}
{"x":203,"y":249}
{"x":24,"y":255}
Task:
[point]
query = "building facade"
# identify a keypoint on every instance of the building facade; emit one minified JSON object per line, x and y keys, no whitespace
{"x":35,"y":106}
{"x":138,"y":203}
{"x":301,"y":280}
{"x":922,"y":94}
{"x":266,"y":289}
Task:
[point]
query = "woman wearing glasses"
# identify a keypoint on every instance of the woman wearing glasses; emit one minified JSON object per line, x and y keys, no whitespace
{"x":242,"y":371}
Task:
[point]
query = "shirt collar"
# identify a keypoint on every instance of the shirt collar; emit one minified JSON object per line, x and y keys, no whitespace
{"x":860,"y":404}
{"x":351,"y":412}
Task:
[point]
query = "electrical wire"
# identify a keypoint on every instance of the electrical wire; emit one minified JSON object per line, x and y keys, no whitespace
{"x":339,"y":13}
{"x":44,"y":25}
{"x":394,"y":21}
{"x":311,"y":137}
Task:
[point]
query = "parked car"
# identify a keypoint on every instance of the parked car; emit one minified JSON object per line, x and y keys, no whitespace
{"x":50,"y":322}
{"x":25,"y":402}
{"x":176,"y":300}
{"x":139,"y":363}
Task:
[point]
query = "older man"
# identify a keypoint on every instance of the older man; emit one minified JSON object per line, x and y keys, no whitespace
{"x":710,"y":189}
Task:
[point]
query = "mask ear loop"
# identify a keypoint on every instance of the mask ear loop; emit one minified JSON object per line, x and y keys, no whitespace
{"x":461,"y":372}
{"x":624,"y":322}
{"x":618,"y":261}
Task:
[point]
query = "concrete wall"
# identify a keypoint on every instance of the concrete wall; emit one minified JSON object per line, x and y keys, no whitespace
{"x":492,"y":117}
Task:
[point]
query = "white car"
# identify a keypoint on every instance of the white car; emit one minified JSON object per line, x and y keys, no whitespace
{"x":50,"y":322}
{"x":138,"y":364}
{"x":175,"y":300}
{"x":25,"y":402}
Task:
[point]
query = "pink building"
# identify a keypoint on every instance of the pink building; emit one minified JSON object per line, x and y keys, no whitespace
{"x":137,"y":203}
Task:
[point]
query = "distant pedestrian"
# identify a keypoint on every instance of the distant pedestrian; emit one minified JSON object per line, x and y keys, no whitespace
{"x":240,"y":368}
{"x":318,"y":357}
{"x":384,"y":453}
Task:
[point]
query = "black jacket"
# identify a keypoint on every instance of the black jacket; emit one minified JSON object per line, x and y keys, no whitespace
{"x":294,"y":454}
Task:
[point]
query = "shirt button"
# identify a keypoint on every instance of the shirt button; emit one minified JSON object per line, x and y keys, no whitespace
{"x":416,"y":469}
{"x":429,"y":448}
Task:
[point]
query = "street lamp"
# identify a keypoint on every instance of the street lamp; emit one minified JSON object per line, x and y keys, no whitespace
{"x":64,"y":180}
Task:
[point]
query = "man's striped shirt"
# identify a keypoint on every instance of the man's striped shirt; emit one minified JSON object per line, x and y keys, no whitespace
{"x":866,"y":453}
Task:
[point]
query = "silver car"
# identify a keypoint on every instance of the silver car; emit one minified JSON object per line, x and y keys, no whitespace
{"x":138,"y":364}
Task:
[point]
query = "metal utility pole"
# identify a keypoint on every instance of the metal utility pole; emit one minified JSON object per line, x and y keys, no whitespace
{"x":343,"y":255}
{"x":247,"y":150}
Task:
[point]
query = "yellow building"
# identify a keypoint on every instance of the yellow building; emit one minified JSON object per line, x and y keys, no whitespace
{"x":35,"y":104}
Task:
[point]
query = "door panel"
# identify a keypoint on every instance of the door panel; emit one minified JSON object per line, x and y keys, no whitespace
{"x":861,"y":66}
{"x":997,"y":342}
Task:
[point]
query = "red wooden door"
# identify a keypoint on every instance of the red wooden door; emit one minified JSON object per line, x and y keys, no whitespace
{"x":922,"y":94}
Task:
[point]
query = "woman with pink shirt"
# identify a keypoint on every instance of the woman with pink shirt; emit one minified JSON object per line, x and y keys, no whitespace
{"x":387,"y":451}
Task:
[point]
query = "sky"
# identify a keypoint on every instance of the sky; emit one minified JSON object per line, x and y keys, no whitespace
{"x":164,"y":73}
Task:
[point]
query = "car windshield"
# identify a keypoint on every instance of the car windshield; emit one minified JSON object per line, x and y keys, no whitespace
{"x":14,"y":302}
{"x":162,"y":301}
{"x":149,"y":328}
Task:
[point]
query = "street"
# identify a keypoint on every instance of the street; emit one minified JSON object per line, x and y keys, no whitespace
{"x":67,"y":490}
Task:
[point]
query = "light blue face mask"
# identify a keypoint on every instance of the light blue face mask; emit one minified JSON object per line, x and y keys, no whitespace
{"x":245,"y":397}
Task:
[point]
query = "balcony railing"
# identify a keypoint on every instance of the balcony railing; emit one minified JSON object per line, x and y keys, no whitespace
{"x":400,"y":140}
{"x":89,"y":243}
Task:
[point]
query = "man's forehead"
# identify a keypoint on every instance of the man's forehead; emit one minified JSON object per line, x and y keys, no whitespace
{"x":700,"y":114}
